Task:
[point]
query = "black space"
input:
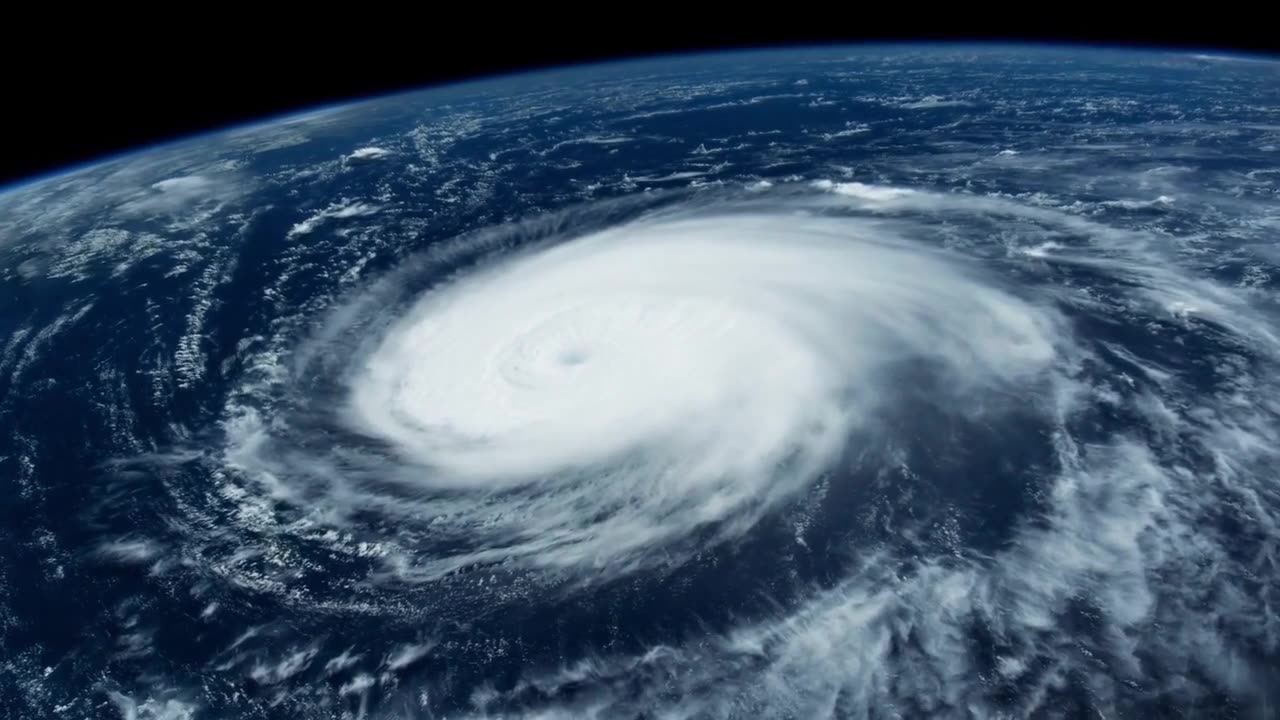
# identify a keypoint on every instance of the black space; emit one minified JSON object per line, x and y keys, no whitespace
{"x":76,"y":100}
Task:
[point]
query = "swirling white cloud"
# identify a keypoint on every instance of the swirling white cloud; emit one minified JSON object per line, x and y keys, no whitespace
{"x":625,"y":389}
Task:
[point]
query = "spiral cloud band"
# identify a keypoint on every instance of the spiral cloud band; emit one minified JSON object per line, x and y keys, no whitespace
{"x":828,"y":449}
{"x":621,"y":391}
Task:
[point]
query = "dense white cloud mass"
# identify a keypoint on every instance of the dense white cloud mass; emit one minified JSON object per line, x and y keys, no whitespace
{"x":674,"y":373}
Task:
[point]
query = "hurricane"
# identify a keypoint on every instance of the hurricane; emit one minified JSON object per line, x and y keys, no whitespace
{"x":594,"y":403}
{"x":910,"y":400}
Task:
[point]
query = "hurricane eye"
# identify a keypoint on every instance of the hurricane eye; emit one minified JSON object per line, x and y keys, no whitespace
{"x":573,"y":357}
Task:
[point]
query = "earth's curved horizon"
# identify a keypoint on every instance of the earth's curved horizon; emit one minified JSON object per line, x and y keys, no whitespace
{"x":295,"y":113}
{"x":880,"y":381}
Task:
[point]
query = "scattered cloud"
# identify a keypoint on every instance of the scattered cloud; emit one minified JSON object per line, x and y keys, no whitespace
{"x":338,"y":210}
